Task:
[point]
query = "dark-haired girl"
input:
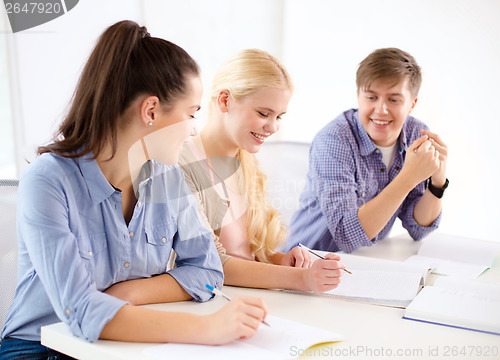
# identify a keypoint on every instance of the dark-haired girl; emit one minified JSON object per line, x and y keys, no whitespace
{"x":103,"y":205}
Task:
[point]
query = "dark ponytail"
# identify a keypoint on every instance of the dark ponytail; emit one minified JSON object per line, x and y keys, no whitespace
{"x":126,"y":62}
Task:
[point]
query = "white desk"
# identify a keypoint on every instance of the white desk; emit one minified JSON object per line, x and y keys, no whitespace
{"x":370,"y":331}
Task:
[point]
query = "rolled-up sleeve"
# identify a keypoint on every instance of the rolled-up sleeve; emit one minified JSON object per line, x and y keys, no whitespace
{"x":416,"y":231}
{"x":332,"y":165}
{"x":43,"y":225}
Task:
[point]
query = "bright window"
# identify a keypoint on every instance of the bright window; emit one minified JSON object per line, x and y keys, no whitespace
{"x":7,"y":147}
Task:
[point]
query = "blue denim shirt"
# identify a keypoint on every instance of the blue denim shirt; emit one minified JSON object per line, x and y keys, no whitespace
{"x":346,"y":171}
{"x":74,"y":243}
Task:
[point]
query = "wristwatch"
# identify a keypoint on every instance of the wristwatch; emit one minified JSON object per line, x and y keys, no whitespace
{"x":437,"y":192}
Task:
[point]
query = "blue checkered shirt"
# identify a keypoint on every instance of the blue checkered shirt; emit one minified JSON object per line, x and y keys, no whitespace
{"x":346,"y":171}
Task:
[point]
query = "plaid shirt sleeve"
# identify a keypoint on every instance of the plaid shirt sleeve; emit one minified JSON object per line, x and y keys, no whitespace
{"x":416,"y":231}
{"x":333,"y":176}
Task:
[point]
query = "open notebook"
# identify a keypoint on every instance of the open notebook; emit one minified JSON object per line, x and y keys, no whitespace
{"x":454,"y":255}
{"x":377,"y":281}
{"x":281,"y":340}
{"x":453,"y":301}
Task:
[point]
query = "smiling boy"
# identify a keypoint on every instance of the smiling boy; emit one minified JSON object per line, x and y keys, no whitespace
{"x":373,"y":164}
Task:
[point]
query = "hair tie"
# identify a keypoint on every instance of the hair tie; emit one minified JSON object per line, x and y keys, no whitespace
{"x":144,"y":32}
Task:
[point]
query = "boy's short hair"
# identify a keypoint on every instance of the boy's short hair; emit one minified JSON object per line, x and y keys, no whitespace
{"x":389,"y":64}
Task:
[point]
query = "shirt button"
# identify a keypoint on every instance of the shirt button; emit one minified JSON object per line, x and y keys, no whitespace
{"x":67,"y":311}
{"x":163,"y":239}
{"x":397,"y":168}
{"x":382,"y":169}
{"x":377,"y":151}
{"x":131,"y":234}
{"x":90,"y":253}
{"x":127,"y":264}
{"x":139,"y":204}
{"x":363,"y":195}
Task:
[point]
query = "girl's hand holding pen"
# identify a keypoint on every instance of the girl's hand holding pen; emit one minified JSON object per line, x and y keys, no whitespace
{"x":238,"y":319}
{"x":324,"y":274}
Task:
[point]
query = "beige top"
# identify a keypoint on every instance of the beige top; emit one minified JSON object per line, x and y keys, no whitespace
{"x":214,"y":184}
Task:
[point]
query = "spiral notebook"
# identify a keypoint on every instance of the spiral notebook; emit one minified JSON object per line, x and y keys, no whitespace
{"x":377,"y":281}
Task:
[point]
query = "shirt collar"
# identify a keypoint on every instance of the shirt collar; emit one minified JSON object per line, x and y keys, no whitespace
{"x":403,"y":145}
{"x":367,"y":146}
{"x":99,"y":187}
{"x":145,"y":175}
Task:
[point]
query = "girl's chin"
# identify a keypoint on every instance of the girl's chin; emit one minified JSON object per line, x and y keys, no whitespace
{"x":252,"y":149}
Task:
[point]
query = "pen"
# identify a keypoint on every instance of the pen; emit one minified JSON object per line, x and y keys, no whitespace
{"x":318,"y":255}
{"x":220,"y":293}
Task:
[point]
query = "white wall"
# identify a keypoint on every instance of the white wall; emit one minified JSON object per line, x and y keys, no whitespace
{"x":321,"y":42}
{"x":212,"y":30}
{"x":46,"y":62}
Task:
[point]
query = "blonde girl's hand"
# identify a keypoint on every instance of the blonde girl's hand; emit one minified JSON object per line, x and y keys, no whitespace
{"x":238,"y":319}
{"x":296,"y":257}
{"x":324,"y":275}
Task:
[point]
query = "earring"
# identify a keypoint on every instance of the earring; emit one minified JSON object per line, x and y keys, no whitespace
{"x":150,"y":123}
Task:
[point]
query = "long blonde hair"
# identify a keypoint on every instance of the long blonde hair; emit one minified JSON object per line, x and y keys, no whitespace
{"x":242,"y":75}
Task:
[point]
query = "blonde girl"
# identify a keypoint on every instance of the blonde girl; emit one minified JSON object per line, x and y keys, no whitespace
{"x":250,"y":94}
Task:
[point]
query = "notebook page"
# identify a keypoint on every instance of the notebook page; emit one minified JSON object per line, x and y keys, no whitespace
{"x":366,"y":285}
{"x":484,"y":289}
{"x":234,"y":350}
{"x":455,"y":308}
{"x":355,"y":262}
{"x":459,"y":249}
{"x":283,"y":334}
{"x":377,"y":281}
{"x":448,"y":267}
{"x":275,"y":342}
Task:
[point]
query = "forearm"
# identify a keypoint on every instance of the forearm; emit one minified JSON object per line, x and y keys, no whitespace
{"x":254,"y":274}
{"x":376,"y":213}
{"x":137,"y":324}
{"x":157,"y":289}
{"x":427,"y":209}
{"x":276,"y":258}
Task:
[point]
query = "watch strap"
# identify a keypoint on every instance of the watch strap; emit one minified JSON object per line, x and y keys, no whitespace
{"x":437,"y":192}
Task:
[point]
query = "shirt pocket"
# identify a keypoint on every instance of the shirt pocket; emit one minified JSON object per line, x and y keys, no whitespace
{"x":159,"y":242}
{"x":91,"y":248}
